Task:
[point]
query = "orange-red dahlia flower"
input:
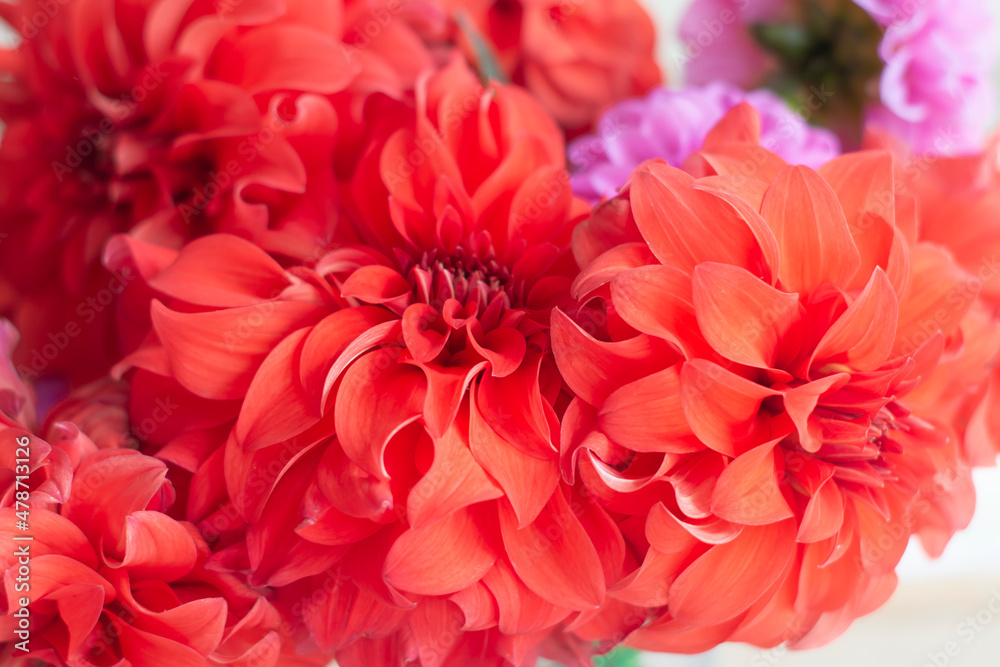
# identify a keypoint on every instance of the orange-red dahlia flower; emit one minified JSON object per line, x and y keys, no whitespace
{"x":745,"y":412}
{"x":166,"y":118}
{"x":374,"y":435}
{"x":114,"y":580}
{"x":577,"y":57}
{"x":97,"y":573}
{"x":967,"y":189}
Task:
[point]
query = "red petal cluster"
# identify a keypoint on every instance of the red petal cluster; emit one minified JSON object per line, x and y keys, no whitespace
{"x":352,"y":374}
{"x":170,"y":119}
{"x":107,"y":576}
{"x":373,"y":435}
{"x":745,"y":413}
{"x":167,"y":119}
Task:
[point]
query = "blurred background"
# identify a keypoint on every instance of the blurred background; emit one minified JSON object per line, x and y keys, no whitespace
{"x":945,"y":612}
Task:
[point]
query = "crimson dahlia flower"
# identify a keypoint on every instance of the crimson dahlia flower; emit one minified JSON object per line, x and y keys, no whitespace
{"x":745,"y":412}
{"x":167,"y":119}
{"x":373,"y":436}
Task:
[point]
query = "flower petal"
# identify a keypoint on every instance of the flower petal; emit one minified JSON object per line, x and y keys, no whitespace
{"x":375,"y":284}
{"x":593,"y":369}
{"x":937,"y":297}
{"x":720,"y":406}
{"x":107,"y":488}
{"x":749,"y":490}
{"x":553,"y":555}
{"x":223,"y":271}
{"x":732,"y":576}
{"x":441,"y":559}
{"x":808,"y":222}
{"x":684,"y":226}
{"x":801,"y":401}
{"x":656,"y":300}
{"x":454,"y":480}
{"x":285,"y":56}
{"x":743,"y":318}
{"x":741,"y":124}
{"x":528,"y":482}
{"x":157,"y":547}
{"x":329,"y":338}
{"x":647,"y":416}
{"x":823,"y":515}
{"x":863,"y":335}
{"x":865,"y":185}
{"x":519,"y":609}
{"x":276,"y":407}
{"x":215,"y":354}
{"x":375,"y":400}
{"x":608,"y":265}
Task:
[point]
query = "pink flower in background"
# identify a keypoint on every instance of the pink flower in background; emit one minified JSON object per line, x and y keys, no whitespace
{"x":673,"y":124}
{"x":920,"y":70}
{"x":935,"y":88}
{"x":714,"y":52}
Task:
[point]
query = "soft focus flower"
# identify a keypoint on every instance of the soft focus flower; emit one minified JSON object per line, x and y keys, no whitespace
{"x":374,"y":435}
{"x":745,"y":410}
{"x":936,"y":89}
{"x":920,"y":70}
{"x":577,"y":57}
{"x":672,"y":124}
{"x":718,"y":45}
{"x":167,"y":119}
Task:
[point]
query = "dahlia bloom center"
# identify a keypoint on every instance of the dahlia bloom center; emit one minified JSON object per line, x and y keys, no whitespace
{"x":464,"y":276}
{"x":834,"y":418}
{"x":94,"y":149}
{"x":853,"y":436}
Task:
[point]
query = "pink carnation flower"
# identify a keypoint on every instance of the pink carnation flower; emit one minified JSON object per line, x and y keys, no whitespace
{"x":673,"y":124}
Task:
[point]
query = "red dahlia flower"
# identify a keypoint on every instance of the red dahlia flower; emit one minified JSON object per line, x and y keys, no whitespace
{"x":577,"y":57}
{"x":745,"y":413}
{"x":374,"y":435}
{"x":107,"y":577}
{"x":113,"y":578}
{"x":166,"y":118}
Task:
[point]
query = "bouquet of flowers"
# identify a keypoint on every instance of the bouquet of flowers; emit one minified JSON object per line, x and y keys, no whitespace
{"x":443,"y":333}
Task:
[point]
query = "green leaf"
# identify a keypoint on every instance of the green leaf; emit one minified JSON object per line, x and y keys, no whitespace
{"x":486,"y":62}
{"x":620,"y":657}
